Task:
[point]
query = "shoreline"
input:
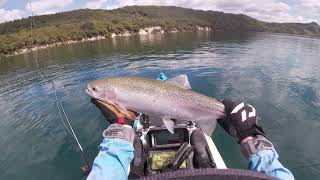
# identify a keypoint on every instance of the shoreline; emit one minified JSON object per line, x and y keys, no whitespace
{"x":142,"y":31}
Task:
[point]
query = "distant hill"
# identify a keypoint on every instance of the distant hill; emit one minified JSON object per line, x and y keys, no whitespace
{"x":86,"y":23}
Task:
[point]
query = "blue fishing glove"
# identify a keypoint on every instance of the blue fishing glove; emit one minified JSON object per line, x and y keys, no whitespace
{"x":240,"y":120}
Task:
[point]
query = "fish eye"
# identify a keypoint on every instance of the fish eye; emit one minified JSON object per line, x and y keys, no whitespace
{"x":94,"y":89}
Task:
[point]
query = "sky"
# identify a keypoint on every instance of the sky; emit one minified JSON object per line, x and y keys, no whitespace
{"x":303,"y":11}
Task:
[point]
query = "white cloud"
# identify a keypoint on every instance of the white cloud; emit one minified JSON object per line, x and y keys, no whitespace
{"x":311,"y":8}
{"x":97,"y":4}
{"x":312,"y":4}
{"x":265,"y":10}
{"x":47,"y":6}
{"x":2,"y":2}
{"x":9,"y":15}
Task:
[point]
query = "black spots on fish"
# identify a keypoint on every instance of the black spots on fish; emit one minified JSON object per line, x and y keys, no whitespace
{"x":190,"y":97}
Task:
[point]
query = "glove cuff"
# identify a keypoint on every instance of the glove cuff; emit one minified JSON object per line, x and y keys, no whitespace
{"x":255,"y":145}
{"x":119,"y":131}
{"x":253,"y":131}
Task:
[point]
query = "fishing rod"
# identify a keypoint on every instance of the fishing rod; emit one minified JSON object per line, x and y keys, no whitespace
{"x":62,"y":113}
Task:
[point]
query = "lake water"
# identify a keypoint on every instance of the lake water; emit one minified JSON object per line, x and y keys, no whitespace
{"x":278,"y":74}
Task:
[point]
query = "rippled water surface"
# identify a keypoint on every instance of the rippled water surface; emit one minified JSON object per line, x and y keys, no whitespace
{"x":278,"y":74}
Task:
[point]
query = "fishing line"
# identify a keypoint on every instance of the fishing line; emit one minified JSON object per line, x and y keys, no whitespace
{"x":41,"y":73}
{"x":47,"y":77}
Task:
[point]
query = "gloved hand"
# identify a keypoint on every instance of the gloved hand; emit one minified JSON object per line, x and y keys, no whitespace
{"x":112,"y":114}
{"x":121,"y":124}
{"x":240,"y":120}
{"x":121,"y":128}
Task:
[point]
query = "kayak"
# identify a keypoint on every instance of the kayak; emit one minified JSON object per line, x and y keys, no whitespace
{"x":188,"y":148}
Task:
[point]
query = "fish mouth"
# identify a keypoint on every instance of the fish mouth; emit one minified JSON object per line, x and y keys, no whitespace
{"x":89,"y":91}
{"x":93,"y":94}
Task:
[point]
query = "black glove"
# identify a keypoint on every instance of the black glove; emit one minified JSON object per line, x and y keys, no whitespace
{"x":240,"y":120}
{"x":111,"y":114}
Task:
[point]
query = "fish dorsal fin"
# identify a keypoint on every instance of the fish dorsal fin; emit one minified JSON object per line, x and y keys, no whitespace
{"x":169,"y":123}
{"x":181,"y":81}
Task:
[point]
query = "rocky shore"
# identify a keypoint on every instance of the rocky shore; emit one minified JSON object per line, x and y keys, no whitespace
{"x":143,"y":31}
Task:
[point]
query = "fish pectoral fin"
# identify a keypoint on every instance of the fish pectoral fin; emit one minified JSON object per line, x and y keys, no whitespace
{"x":124,"y":111}
{"x":181,"y":81}
{"x":111,"y":94}
{"x":169,"y":123}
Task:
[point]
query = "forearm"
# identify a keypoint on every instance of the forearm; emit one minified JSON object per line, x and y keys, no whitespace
{"x":113,"y":160}
{"x":264,"y":158}
{"x":267,"y":161}
{"x":115,"y":155}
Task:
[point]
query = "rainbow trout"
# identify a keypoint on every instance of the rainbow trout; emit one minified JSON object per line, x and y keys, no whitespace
{"x":170,"y":101}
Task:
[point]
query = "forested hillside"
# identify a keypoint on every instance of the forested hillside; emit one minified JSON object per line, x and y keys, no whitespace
{"x":85,"y":23}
